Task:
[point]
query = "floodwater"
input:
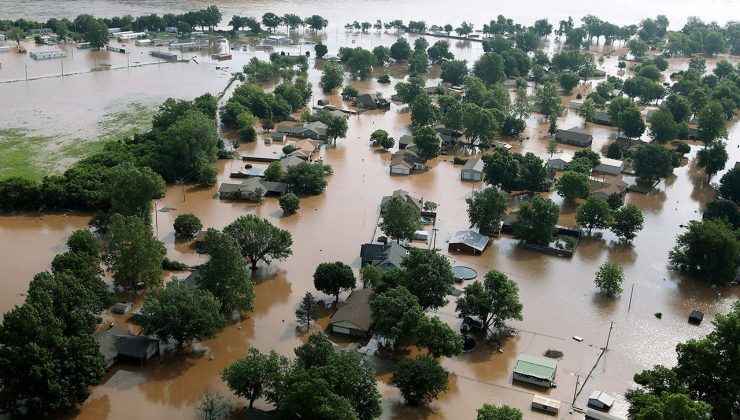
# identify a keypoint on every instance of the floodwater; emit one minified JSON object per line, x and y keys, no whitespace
{"x":559,"y":298}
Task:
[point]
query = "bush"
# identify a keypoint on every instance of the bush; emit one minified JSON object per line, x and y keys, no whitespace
{"x":224,"y":154}
{"x":290,"y":203}
{"x":459,"y":160}
{"x":289,"y":148}
{"x":168,"y":264}
{"x":207,"y":176}
{"x":384,"y":79}
{"x":682,"y":148}
{"x":187,"y":225}
{"x":614,"y":151}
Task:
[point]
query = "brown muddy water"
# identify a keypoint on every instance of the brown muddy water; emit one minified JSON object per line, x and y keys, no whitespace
{"x":559,"y":298}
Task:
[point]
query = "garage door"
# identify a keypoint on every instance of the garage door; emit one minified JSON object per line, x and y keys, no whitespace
{"x":340,"y":330}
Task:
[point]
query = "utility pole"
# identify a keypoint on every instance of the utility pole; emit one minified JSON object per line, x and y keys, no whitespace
{"x":631,"y":292}
{"x":156,"y":221}
{"x":609,"y":336}
{"x":575,"y":390}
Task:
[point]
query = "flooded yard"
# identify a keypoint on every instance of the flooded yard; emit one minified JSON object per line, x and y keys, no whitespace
{"x":558,"y":294}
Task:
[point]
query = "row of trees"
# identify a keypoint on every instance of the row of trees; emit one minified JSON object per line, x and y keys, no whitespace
{"x":272,"y":21}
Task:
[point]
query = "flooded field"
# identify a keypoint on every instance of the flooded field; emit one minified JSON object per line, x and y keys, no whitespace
{"x":558,"y":294}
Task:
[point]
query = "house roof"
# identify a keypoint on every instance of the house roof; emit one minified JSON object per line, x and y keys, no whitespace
{"x":106,"y":340}
{"x":470,"y":238}
{"x":598,"y":415}
{"x":537,"y":367}
{"x":290,"y":161}
{"x":356,"y":309}
{"x":403,"y":195}
{"x":133,"y":345}
{"x":565,"y":157}
{"x":610,"y":162}
{"x":617,"y":186}
{"x":406,"y":139}
{"x":574,"y":135}
{"x":383,"y":255}
{"x":474,"y":164}
{"x":602,"y":397}
{"x":308,"y":145}
{"x":228,"y":187}
{"x":406,"y":158}
{"x":602,"y":116}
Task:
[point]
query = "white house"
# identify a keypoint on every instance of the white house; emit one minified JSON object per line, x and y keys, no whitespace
{"x":610,"y":166}
{"x":600,"y":400}
{"x":473,"y":170}
{"x":559,"y":160}
{"x":43,"y":55}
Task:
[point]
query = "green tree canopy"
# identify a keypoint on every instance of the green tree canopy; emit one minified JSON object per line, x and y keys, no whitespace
{"x":400,"y":219}
{"x":573,"y":185}
{"x":486,"y":209}
{"x":594,"y":214}
{"x":332,"y":278}
{"x":704,"y":250}
{"x":307,"y":178}
{"x":536,"y":220}
{"x":420,"y":379}
{"x":225,"y":274}
{"x":439,"y":338}
{"x":187,"y":225}
{"x":255,"y":375}
{"x":627,"y":220}
{"x":428,"y":142}
{"x":662,"y":126}
{"x":133,"y":254}
{"x":653,"y":161}
{"x":428,"y":276}
{"x":491,"y":412}
{"x":494,"y":301}
{"x":181,"y":313}
{"x":396,"y":314}
{"x":259,"y":239}
{"x":712,"y":159}
{"x":609,"y":278}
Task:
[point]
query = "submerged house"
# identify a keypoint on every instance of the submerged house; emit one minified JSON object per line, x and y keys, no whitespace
{"x":404,"y":162}
{"x":558,"y":161}
{"x":574,"y":136}
{"x":473,"y":170}
{"x":600,"y":400}
{"x":468,"y":241}
{"x":117,"y":344}
{"x":403,"y":195}
{"x":371,"y":101}
{"x":535,"y":370}
{"x":603,"y":189}
{"x":353,"y":317}
{"x":383,"y":256}
{"x":609,"y":166}
{"x":602,"y":118}
{"x":404,"y":141}
{"x":252,"y":189}
{"x":315,"y":130}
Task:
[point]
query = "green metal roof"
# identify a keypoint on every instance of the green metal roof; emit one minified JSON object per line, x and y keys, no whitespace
{"x":537,"y":367}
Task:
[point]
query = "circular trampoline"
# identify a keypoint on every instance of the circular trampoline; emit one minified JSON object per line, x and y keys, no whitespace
{"x":463,"y":273}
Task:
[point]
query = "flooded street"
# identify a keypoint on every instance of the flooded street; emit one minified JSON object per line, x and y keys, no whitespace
{"x":558,"y":294}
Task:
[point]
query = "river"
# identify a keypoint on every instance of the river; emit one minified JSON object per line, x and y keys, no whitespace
{"x":559,"y":298}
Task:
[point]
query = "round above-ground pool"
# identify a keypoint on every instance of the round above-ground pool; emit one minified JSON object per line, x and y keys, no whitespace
{"x":462,"y":273}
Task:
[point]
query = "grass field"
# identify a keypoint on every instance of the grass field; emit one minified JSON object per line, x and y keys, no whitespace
{"x":27,"y":154}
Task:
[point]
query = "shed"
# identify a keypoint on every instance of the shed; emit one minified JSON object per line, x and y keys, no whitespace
{"x":574,"y":136}
{"x":121,"y":308}
{"x":277,"y":136}
{"x":353,"y":318}
{"x":421,"y":235}
{"x":609,"y":166}
{"x":696,"y":317}
{"x":137,"y":348}
{"x":468,"y":241}
{"x":371,"y":101}
{"x":592,"y":414}
{"x":473,"y":170}
{"x":602,"y":118}
{"x":535,"y":370}
{"x":559,"y":160}
{"x":600,"y":400}
{"x":548,"y":405}
{"x":404,"y":141}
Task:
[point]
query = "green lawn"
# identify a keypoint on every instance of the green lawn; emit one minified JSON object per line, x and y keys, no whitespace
{"x":28,"y":155}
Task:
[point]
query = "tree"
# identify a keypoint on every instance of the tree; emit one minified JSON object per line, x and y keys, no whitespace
{"x":316,"y":22}
{"x":479,"y":123}
{"x":489,"y":68}
{"x":419,"y":379}
{"x":181,"y":313}
{"x":254,"y":375}
{"x":653,"y":161}
{"x":439,"y":338}
{"x":593,"y":157}
{"x":289,"y":203}
{"x":310,"y":397}
{"x":568,"y":80}
{"x":320,"y":50}
{"x":225,"y":275}
{"x":609,"y":278}
{"x":572,"y":185}
{"x":486,"y":208}
{"x":187,"y":225}
{"x":336,"y":126}
{"x":423,"y":111}
{"x":418,"y":63}
{"x":724,"y":210}
{"x":210,"y":405}
{"x":439,"y":52}
{"x":594,"y":214}
{"x":729,"y":186}
{"x":259,"y":240}
{"x":307,"y":178}
{"x":400,"y":50}
{"x":667,"y":405}
{"x":83,"y":242}
{"x":521,"y":106}
{"x":493,"y":302}
{"x":549,"y":98}
{"x":97,"y":34}
{"x":130,"y":189}
{"x":400,"y":219}
{"x":396,"y":313}
{"x":552,"y":147}
{"x":532,"y":174}
{"x":712,"y":159}
{"x":626,"y":222}
{"x":361,"y":63}
{"x":332,"y":77}
{"x":491,"y":412}
{"x":428,"y":142}
{"x":637,"y":48}
{"x":662,"y":126}
{"x":580,"y":165}
{"x":631,"y":122}
{"x":711,"y":123}
{"x":428,"y":276}
{"x":587,"y":111}
{"x":133,"y":254}
{"x":306,"y":310}
{"x":274,"y":172}
{"x":332,"y":278}
{"x":704,"y":250}
{"x":378,"y":136}
{"x":271,"y":21}
{"x":536,"y":220}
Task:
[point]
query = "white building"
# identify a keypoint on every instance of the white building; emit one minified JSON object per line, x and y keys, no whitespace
{"x":600,"y":400}
{"x":276,"y":40}
{"x":44,"y":55}
{"x":610,"y":166}
{"x":473,"y":170}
